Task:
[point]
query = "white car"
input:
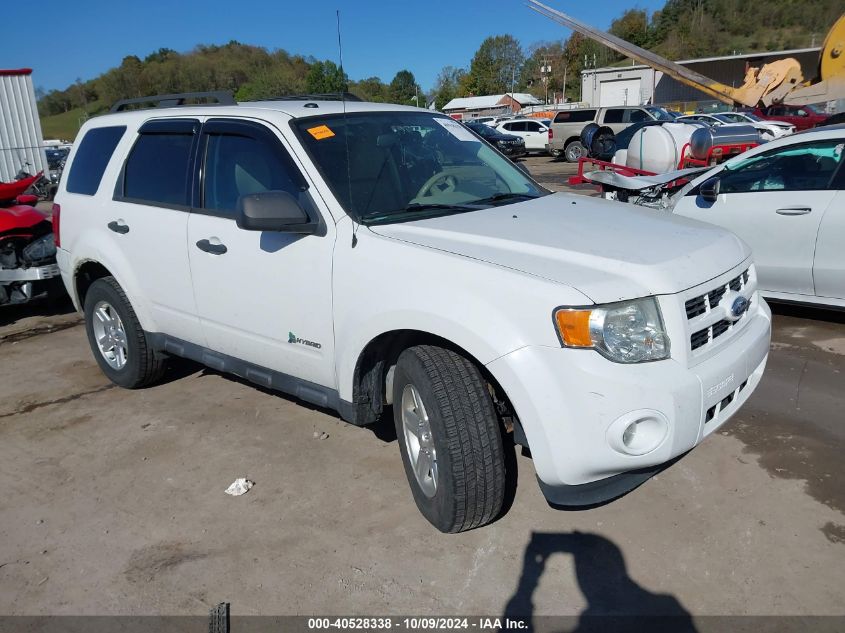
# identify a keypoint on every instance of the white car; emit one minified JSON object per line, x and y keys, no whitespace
{"x":364,"y":256}
{"x":767,"y":132}
{"x":536,"y":134}
{"x":778,"y":128}
{"x":786,"y":199}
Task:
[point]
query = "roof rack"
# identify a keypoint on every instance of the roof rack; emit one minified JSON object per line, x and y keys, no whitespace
{"x":325,"y":96}
{"x":169,"y":101}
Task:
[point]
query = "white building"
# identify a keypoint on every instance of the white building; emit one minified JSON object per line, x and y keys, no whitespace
{"x":638,"y":85}
{"x":471,"y":107}
{"x":20,"y":128}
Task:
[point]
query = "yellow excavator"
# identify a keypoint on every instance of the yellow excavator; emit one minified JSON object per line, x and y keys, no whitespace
{"x":780,"y":81}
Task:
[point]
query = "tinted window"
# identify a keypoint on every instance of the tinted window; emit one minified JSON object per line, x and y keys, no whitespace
{"x":795,"y":168}
{"x":158,"y":169}
{"x":236,"y":166}
{"x":614,"y":115}
{"x":92,"y":156}
{"x":530,"y":126}
{"x":517,"y":127}
{"x":638,"y":115}
{"x":575,"y":116}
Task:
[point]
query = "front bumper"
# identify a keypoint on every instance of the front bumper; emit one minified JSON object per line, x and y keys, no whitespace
{"x":34,"y":273}
{"x":513,"y":151}
{"x":571,"y":402}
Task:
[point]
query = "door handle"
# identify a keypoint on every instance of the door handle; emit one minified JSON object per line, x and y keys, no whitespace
{"x":214,"y":249}
{"x":794,"y":211}
{"x":118,"y":227}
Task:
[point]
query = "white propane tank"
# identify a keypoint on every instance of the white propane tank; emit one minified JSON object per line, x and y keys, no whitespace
{"x":620,"y":157}
{"x":657,"y":148}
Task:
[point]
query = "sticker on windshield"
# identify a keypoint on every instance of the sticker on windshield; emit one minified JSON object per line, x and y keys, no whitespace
{"x":456,"y":129}
{"x":320,"y":132}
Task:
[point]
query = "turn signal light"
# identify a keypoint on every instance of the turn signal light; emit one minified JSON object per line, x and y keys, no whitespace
{"x":574,"y":327}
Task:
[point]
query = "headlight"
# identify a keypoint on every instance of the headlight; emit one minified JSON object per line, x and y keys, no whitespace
{"x":624,"y":332}
{"x":37,"y":250}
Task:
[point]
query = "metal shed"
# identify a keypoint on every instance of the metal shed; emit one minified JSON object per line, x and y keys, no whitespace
{"x":21,"y":141}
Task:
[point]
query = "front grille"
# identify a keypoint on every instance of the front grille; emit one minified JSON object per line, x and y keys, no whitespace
{"x":704,"y":303}
{"x":701,"y":304}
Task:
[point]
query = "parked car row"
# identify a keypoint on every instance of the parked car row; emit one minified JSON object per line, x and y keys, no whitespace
{"x":786,"y":199}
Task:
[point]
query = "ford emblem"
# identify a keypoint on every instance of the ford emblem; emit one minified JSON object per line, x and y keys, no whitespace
{"x":739,"y":307}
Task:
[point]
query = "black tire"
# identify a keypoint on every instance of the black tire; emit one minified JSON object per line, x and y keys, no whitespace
{"x":466,"y":436}
{"x":143,"y":366}
{"x":574,"y":151}
{"x":555,"y":153}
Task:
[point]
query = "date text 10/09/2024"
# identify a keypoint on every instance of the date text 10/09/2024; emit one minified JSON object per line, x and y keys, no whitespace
{"x":418,"y":624}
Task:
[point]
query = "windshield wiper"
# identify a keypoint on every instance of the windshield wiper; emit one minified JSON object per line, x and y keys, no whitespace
{"x":501,"y":197}
{"x":416,"y":208}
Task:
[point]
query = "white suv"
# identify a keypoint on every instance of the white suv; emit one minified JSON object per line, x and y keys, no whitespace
{"x":361,"y":255}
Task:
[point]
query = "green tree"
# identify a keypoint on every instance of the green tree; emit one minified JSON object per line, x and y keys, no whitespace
{"x":326,"y":77}
{"x":403,"y":88}
{"x":448,"y":86}
{"x":495,"y":66}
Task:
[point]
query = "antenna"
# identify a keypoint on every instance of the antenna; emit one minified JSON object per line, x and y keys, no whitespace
{"x":346,"y":132}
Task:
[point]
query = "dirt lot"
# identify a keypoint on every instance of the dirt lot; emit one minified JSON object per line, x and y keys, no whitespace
{"x":112,"y":501}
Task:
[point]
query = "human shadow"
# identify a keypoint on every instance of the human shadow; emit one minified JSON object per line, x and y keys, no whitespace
{"x":615,"y":602}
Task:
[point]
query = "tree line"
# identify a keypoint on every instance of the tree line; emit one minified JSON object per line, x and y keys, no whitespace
{"x":681,"y":29}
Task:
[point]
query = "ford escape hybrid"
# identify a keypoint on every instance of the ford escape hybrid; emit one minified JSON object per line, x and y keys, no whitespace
{"x":369,"y":257}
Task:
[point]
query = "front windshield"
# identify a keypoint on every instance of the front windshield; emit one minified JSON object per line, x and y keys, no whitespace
{"x":660,"y":114}
{"x":405,"y":165}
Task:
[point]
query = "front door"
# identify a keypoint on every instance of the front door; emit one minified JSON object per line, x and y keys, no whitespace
{"x":775,"y":201}
{"x":263,"y":297}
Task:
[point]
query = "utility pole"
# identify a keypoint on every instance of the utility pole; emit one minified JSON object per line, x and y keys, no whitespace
{"x":545,"y":72}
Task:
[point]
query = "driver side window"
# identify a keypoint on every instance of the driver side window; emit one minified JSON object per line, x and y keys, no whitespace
{"x":805,"y":167}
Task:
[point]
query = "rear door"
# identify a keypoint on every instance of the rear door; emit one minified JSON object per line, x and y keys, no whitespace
{"x":614,"y":118}
{"x":147,"y":222}
{"x":829,"y":264}
{"x":775,"y":201}
{"x":263,"y":297}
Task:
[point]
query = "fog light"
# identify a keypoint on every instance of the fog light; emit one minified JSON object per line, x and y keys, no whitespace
{"x":638,"y":432}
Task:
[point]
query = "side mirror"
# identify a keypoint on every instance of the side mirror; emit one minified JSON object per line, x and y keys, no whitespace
{"x":709,"y":189}
{"x":523,"y":168}
{"x":273,"y":211}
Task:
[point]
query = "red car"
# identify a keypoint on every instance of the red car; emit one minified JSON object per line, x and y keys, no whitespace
{"x":802,"y":117}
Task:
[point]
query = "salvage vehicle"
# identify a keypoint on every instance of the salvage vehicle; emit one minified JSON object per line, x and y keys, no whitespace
{"x":373,"y":258}
{"x":28,"y":267}
{"x":786,"y":199}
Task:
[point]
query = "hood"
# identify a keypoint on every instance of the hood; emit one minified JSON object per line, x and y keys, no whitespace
{"x":19,"y":217}
{"x":607,"y":250}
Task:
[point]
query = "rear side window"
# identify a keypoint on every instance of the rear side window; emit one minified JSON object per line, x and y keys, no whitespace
{"x":94,"y":153}
{"x":614,"y":115}
{"x":158,"y":170}
{"x":575,"y":116}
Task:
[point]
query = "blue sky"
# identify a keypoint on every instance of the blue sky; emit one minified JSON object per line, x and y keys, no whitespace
{"x":63,"y":41}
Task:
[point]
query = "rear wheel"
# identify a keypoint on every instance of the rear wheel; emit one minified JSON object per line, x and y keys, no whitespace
{"x":116,"y":337}
{"x":574,"y":151}
{"x":449,"y":438}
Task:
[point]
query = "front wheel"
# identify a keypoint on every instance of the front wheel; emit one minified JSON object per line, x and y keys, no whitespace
{"x":449,"y":438}
{"x":117,"y":340}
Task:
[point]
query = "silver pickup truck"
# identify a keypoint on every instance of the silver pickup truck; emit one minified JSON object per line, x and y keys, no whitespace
{"x":565,"y":133}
